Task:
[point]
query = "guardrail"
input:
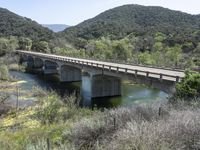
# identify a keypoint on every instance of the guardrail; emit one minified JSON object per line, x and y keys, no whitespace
{"x":179,"y":69}
{"x":99,"y":65}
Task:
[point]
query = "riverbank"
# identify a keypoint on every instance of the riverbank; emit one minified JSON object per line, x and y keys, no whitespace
{"x":49,"y":120}
{"x":59,"y":123}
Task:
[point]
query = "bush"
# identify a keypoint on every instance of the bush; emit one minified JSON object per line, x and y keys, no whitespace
{"x":49,"y":111}
{"x":189,"y":87}
{"x":4,"y":74}
{"x":141,"y":128}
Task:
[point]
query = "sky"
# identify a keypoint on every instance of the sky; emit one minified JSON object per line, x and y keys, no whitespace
{"x":72,"y":12}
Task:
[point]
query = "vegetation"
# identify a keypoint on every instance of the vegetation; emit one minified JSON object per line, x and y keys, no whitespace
{"x":133,"y":19}
{"x":15,"y":25}
{"x":147,"y":35}
{"x":4,"y":75}
{"x":189,"y":87}
{"x":7,"y":45}
{"x":66,"y":126}
{"x":59,"y":123}
{"x":131,"y":33}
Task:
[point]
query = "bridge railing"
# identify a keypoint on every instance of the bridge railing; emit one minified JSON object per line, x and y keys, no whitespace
{"x":171,"y":68}
{"x":102,"y":66}
{"x":123,"y":70}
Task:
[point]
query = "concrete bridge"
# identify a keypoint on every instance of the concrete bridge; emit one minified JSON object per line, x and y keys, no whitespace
{"x":105,"y":76}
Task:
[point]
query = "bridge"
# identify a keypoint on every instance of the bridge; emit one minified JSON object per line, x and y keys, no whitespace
{"x":105,"y":76}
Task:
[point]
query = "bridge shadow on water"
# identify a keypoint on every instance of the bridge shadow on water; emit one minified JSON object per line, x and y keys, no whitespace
{"x":131,"y":93}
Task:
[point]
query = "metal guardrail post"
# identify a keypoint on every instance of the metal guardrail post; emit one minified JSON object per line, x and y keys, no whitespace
{"x":161,"y":76}
{"x":147,"y":73}
{"x":109,"y":68}
{"x":136,"y":72}
{"x":177,"y":79}
{"x":102,"y":69}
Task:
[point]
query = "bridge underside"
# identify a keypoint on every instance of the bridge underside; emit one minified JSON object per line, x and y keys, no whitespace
{"x":50,"y":67}
{"x":103,"y":86}
{"x":69,"y":74}
{"x":163,"y":85}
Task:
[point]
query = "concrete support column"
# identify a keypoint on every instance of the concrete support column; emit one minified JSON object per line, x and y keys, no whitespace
{"x":50,"y":67}
{"x":69,"y":74}
{"x":23,"y":59}
{"x":30,"y":64}
{"x":38,"y":63}
{"x":103,"y":86}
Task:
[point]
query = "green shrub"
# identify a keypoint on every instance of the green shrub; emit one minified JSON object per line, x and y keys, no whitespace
{"x":189,"y":87}
{"x":4,"y":74}
{"x":49,"y":111}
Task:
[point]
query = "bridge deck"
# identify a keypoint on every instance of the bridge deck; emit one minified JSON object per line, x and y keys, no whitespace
{"x":165,"y":74}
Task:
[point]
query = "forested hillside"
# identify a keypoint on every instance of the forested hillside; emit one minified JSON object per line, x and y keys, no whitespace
{"x":14,"y":25}
{"x":140,"y":20}
{"x":137,"y":34}
{"x":140,"y":34}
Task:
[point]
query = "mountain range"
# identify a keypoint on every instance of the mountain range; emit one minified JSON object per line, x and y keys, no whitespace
{"x":115,"y":23}
{"x":121,"y":21}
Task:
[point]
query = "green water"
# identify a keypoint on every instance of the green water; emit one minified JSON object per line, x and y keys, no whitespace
{"x":131,"y":93}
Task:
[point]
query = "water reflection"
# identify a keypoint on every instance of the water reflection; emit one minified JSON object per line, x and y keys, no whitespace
{"x":131,"y":93}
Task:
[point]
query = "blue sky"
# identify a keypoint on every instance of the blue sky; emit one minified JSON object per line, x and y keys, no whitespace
{"x":72,"y":12}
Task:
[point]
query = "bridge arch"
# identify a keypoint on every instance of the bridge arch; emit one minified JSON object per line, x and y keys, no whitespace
{"x":39,"y":63}
{"x":68,"y":73}
{"x":99,"y":85}
{"x":30,"y":62}
{"x":50,"y":67}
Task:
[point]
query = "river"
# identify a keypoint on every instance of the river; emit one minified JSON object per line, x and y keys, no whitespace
{"x":131,"y":93}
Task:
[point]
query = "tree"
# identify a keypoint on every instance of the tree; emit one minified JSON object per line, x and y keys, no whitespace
{"x":158,"y":46}
{"x":25,"y":43}
{"x":122,"y":49}
{"x":174,"y":54}
{"x":189,"y":87}
{"x":41,"y":46}
{"x":13,"y":43}
{"x":160,"y":37}
{"x":4,"y":74}
{"x":145,"y":58}
{"x":3,"y":46}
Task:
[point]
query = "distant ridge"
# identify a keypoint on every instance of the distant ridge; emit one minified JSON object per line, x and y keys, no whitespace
{"x":56,"y":27}
{"x":140,"y":20}
{"x":12,"y":24}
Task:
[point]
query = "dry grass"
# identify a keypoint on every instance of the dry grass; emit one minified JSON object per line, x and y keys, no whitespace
{"x":140,"y":128}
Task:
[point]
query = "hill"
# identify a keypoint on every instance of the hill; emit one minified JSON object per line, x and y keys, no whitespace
{"x":12,"y":24}
{"x":56,"y":27}
{"x":121,"y":21}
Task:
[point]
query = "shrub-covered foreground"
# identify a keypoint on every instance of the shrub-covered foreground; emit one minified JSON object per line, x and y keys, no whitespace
{"x":62,"y":125}
{"x":58,"y":123}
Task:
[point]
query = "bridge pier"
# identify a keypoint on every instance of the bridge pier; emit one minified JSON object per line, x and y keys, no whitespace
{"x":29,"y":64}
{"x":50,"y":67}
{"x":38,"y":65}
{"x":23,"y":59}
{"x":69,"y":74}
{"x":102,"y":86}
